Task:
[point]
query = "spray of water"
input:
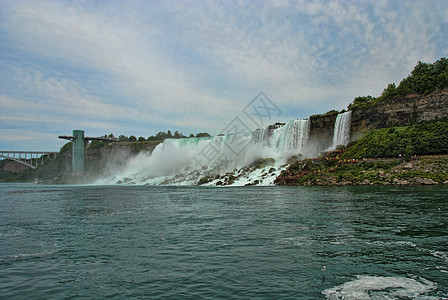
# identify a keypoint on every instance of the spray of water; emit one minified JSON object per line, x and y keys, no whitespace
{"x":186,"y":161}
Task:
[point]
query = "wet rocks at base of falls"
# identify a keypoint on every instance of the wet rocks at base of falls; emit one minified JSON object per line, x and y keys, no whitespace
{"x":229,"y":178}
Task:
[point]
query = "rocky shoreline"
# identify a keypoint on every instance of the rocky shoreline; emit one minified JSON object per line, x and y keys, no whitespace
{"x":329,"y":170}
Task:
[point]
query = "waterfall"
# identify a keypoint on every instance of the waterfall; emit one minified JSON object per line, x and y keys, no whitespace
{"x":263,"y":135}
{"x":341,"y":135}
{"x":292,"y":136}
{"x":185,"y":161}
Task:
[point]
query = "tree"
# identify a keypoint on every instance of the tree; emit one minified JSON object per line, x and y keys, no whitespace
{"x":362,"y":101}
{"x":178,"y":135}
{"x":132,"y":138}
{"x":141,"y":139}
{"x":390,"y":91}
{"x":123,"y":138}
{"x":203,"y":134}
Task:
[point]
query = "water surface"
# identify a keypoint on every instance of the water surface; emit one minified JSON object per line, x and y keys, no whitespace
{"x":237,"y":242}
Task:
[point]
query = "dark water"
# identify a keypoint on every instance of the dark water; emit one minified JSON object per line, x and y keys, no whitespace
{"x":208,"y":243}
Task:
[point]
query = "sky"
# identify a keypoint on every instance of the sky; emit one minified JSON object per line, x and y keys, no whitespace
{"x":139,"y":67}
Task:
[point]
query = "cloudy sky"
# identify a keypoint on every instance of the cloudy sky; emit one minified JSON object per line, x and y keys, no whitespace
{"x":138,"y":67}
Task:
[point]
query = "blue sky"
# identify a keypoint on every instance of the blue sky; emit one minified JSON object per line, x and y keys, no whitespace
{"x":139,"y":67}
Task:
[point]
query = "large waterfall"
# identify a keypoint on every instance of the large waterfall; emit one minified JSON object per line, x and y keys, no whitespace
{"x":291,"y":137}
{"x":341,"y":135}
{"x":187,"y":160}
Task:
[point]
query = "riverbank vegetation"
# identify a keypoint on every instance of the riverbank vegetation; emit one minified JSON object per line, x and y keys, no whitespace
{"x":430,"y":137}
{"x":416,"y":154}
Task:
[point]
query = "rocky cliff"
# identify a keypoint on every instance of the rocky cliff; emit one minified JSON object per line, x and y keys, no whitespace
{"x":402,"y":112}
{"x":321,"y":130}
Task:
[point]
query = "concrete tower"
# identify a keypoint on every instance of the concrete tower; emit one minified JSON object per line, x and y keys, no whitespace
{"x":79,"y":141}
{"x":78,"y":152}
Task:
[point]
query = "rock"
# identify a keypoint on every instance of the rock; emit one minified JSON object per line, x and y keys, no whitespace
{"x":294,"y":158}
{"x":345,"y":183}
{"x":262,"y":162}
{"x":271,"y":170}
{"x":365,"y":182}
{"x":407,"y":166}
{"x":205,"y":179}
{"x":445,"y":182}
{"x":425,"y":181}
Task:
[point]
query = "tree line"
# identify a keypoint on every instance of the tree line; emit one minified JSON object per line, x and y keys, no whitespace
{"x":160,"y":136}
{"x":424,"y":80}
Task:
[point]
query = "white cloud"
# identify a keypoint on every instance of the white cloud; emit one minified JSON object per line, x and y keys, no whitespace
{"x":196,"y":64}
{"x":125,"y":54}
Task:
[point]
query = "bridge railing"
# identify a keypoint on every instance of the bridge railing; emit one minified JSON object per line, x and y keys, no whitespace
{"x":32,"y":159}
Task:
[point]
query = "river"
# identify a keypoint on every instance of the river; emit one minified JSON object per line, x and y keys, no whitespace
{"x":163,"y":242}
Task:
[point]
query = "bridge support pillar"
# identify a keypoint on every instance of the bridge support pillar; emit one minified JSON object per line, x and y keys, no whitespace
{"x":78,"y":152}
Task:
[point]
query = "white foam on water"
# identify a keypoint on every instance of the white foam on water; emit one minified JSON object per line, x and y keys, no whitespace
{"x":186,"y":161}
{"x":377,"y":287}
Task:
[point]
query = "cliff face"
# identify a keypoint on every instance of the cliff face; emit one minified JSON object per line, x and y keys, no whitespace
{"x":403,"y":112}
{"x":321,"y":131}
{"x":15,"y":167}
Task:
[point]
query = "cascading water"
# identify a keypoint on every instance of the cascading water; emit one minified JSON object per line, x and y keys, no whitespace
{"x":291,"y":137}
{"x":185,"y":161}
{"x":341,"y":135}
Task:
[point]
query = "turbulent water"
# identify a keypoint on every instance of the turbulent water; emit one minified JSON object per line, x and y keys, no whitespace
{"x":186,"y":161}
{"x":168,"y":242}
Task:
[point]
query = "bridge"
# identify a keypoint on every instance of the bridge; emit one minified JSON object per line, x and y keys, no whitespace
{"x":32,"y":159}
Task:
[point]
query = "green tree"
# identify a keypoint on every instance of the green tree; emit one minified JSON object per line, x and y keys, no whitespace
{"x":390,"y":91}
{"x":361,"y":101}
{"x":123,"y":138}
{"x":203,"y":134}
{"x":178,"y":135}
{"x":132,"y":138}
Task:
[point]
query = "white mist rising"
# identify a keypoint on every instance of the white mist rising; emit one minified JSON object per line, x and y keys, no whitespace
{"x":185,"y":161}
